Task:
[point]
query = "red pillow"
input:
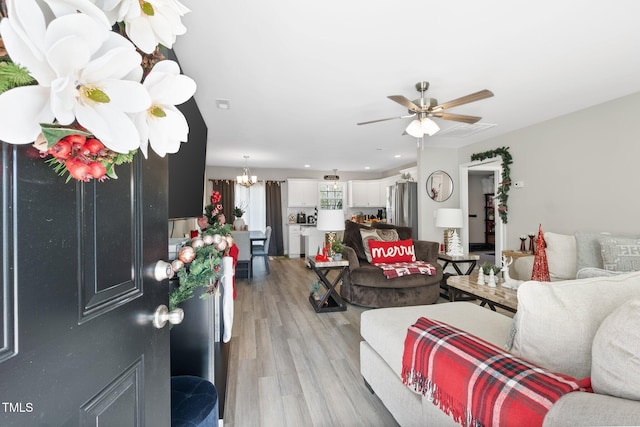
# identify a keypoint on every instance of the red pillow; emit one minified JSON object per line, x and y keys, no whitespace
{"x":389,"y":252}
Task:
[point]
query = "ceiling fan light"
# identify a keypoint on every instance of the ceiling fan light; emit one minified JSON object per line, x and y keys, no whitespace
{"x":429,"y":126}
{"x":415,"y":129}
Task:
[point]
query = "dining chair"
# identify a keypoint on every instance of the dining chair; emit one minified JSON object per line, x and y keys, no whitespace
{"x":245,"y":258}
{"x":263,"y":250}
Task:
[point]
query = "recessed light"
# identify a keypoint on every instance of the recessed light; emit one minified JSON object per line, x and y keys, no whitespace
{"x":397,"y":156}
{"x":223,"y":104}
{"x":307,"y":166}
{"x":367,"y":167}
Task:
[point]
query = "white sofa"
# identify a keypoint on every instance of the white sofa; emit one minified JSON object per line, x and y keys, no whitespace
{"x":583,"y":255}
{"x":559,"y":326}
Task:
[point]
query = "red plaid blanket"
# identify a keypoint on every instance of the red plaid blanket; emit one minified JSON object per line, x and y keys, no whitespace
{"x":398,"y":269}
{"x":477,"y":383}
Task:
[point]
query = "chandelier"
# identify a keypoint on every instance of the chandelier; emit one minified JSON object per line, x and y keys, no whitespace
{"x":246,"y":179}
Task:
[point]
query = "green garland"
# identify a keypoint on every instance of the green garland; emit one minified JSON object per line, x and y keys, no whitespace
{"x":505,"y":185}
{"x":204,"y":270}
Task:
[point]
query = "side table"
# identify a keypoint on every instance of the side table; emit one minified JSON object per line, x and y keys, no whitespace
{"x":331,"y":300}
{"x":470,"y":259}
{"x":515,"y":254}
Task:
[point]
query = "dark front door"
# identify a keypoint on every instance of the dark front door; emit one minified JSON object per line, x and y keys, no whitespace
{"x":77,"y":346}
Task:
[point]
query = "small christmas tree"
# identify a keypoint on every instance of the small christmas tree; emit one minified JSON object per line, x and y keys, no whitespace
{"x":455,"y":248}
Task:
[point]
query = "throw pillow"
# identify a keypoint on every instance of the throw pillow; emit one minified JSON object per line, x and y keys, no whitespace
{"x":561,"y":255}
{"x":620,"y":253}
{"x":615,"y":365}
{"x":353,"y":239}
{"x":404,"y":233}
{"x":389,"y":252}
{"x":557,"y":321}
{"x":384,"y":235}
{"x":588,"y":250}
{"x":588,"y":253}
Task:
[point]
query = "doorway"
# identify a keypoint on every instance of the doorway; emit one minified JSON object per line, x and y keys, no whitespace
{"x":483,"y":231}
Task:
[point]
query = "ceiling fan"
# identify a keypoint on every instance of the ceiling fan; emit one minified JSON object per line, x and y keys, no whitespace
{"x":425,"y":108}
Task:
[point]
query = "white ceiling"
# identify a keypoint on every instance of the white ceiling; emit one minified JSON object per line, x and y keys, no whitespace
{"x":299,"y":75}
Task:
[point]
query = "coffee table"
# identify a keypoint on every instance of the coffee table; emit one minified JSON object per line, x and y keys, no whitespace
{"x":504,"y":298}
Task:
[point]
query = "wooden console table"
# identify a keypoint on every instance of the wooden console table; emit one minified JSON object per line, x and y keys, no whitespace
{"x":499,"y":296}
{"x":331,"y":300}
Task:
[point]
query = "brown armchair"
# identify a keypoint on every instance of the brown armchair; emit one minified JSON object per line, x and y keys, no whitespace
{"x":366,"y":285}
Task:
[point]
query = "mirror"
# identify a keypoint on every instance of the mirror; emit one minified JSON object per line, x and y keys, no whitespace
{"x":439,"y":186}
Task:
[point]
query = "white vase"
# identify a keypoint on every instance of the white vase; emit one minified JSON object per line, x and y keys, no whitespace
{"x":238,"y":224}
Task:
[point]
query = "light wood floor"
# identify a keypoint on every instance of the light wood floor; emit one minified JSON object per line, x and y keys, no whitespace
{"x":291,"y":366}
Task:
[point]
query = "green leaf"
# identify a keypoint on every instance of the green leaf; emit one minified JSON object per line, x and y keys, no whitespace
{"x":13,"y":75}
{"x":54,"y":133}
{"x":111,"y":170}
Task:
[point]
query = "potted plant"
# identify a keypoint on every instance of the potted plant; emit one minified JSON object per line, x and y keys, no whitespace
{"x":238,"y":222}
{"x":487,"y":267}
{"x":337,"y":248}
{"x":315,"y":290}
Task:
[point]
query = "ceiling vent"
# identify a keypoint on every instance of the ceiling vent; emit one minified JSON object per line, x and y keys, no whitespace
{"x":464,"y":130}
{"x":333,"y":177}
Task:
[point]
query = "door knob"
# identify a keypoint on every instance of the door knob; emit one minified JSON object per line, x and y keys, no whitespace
{"x":163,"y":315}
{"x":162,"y":271}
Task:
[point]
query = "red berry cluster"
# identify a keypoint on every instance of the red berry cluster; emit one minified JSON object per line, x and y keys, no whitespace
{"x":81,"y":156}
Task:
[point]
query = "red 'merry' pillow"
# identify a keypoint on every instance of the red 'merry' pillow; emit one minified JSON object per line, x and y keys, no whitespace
{"x":389,"y":252}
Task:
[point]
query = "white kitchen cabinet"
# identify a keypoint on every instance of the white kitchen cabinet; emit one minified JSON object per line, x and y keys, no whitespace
{"x":302,"y":193}
{"x":366,"y":193}
{"x":294,"y":240}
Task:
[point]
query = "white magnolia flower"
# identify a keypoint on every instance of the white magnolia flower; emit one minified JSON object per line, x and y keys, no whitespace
{"x":163,"y":125}
{"x":147,"y":22}
{"x":85,"y":72}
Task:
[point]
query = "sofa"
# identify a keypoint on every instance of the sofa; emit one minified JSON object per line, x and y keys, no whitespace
{"x":366,"y":285}
{"x":581,"y":327}
{"x":584,"y":254}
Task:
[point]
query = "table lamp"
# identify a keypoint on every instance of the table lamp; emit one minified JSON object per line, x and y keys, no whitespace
{"x":450,"y":219}
{"x":330,"y":220}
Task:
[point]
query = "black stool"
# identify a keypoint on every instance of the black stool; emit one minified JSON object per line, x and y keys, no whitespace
{"x":194,"y":402}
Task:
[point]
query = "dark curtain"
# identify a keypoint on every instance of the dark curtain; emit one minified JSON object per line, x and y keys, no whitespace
{"x":274,"y":216}
{"x":227,"y":190}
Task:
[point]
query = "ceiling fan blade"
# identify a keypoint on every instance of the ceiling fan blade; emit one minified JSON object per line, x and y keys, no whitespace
{"x":404,"y":102}
{"x":464,"y":100}
{"x":457,"y":117}
{"x":384,"y":120}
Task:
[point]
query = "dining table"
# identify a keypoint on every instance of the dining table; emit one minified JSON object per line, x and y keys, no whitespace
{"x":257,"y":236}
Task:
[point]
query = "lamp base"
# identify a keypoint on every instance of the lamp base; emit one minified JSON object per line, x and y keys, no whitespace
{"x":448,"y":234}
{"x":329,"y":239}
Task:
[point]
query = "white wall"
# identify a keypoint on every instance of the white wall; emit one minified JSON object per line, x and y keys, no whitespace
{"x":431,"y":160}
{"x":580,"y":172}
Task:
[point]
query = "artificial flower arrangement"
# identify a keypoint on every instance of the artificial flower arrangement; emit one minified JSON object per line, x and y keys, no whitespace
{"x":198,"y":263}
{"x":86,"y":81}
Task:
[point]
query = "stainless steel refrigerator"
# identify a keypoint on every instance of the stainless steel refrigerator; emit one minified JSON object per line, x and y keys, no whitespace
{"x":402,"y":205}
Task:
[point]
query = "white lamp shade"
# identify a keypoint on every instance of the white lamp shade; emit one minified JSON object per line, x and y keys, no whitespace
{"x":330,"y":220}
{"x":414,"y":129}
{"x":449,"y":218}
{"x":429,"y":127}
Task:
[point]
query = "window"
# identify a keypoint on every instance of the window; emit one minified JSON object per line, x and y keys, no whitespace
{"x":254,"y":198}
